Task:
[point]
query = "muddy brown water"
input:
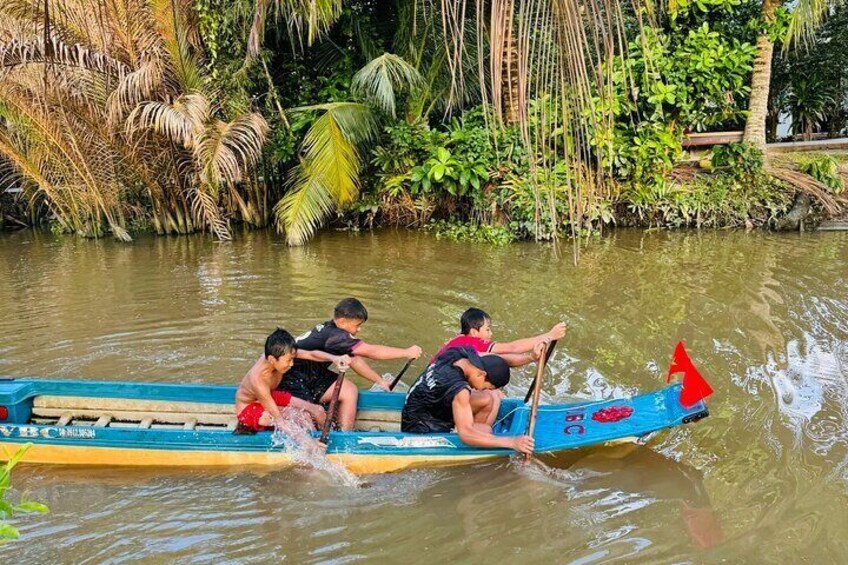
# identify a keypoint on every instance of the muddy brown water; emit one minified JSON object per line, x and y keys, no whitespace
{"x":764,"y":479}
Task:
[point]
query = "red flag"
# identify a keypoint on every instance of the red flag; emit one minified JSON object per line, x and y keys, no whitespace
{"x":695,"y":388}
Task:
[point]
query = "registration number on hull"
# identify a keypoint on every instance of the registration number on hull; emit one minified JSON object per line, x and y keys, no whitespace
{"x":46,"y":432}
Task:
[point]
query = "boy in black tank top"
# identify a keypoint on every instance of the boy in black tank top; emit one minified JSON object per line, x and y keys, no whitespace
{"x":459,"y":390}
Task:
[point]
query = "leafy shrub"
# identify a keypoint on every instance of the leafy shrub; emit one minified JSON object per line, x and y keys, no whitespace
{"x":478,"y":233}
{"x":738,"y":159}
{"x":825,"y":169}
{"x":719,"y":200}
{"x":444,"y":171}
{"x":7,"y":509}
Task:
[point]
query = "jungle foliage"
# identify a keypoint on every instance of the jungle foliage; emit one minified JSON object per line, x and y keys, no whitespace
{"x":488,"y":121}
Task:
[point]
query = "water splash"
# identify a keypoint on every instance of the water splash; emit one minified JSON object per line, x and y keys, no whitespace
{"x":294,"y":435}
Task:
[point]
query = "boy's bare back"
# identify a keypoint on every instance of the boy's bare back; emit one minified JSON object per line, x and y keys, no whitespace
{"x":262,"y":374}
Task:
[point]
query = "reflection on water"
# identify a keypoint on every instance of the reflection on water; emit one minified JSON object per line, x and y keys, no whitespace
{"x":765,"y":478}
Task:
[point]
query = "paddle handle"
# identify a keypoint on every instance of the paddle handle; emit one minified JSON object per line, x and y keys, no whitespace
{"x":334,"y":403}
{"x":400,"y":374}
{"x":537,"y":390}
{"x":547,"y":357}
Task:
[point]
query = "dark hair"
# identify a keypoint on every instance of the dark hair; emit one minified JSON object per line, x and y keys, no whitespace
{"x":497,"y":371}
{"x":279,"y":343}
{"x":352,"y":309}
{"x":473,"y":319}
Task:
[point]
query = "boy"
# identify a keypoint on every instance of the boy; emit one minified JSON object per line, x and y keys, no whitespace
{"x":313,"y":381}
{"x":257,"y":403}
{"x":456,"y":392}
{"x":476,"y":332}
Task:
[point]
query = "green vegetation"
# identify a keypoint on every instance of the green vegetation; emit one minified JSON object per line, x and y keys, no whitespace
{"x":176,"y":116}
{"x":7,"y":509}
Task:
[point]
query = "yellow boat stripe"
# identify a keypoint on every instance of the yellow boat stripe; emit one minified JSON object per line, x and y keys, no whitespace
{"x":360,"y":464}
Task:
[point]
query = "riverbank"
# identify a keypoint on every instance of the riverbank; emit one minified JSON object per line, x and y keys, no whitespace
{"x":723,"y":189}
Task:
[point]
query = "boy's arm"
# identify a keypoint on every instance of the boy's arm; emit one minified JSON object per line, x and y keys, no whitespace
{"x":323,"y":357}
{"x":528,"y":343}
{"x":384,"y":352}
{"x":363,"y":369}
{"x":315,"y":410}
{"x":521,"y":359}
{"x":515,"y":359}
{"x":263,"y":396}
{"x":463,"y":417}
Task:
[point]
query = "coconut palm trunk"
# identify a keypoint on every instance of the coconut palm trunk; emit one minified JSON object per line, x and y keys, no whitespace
{"x":510,"y":80}
{"x":755,"y":126}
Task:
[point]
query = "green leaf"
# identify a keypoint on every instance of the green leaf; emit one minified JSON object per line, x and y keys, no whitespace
{"x":442,"y":154}
{"x":438,"y":172}
{"x":8,"y":532}
{"x":32,"y":506}
{"x":6,"y":509}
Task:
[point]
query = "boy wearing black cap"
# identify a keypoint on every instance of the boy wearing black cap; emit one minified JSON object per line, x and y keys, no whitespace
{"x":457,"y":392}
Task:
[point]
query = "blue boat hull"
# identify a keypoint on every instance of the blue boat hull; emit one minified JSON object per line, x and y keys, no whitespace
{"x":559,"y":427}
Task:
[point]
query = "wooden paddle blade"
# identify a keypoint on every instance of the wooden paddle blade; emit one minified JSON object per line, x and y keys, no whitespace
{"x":331,"y":413}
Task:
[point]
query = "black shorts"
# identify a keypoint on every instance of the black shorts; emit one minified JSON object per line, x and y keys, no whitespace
{"x":424,"y":424}
{"x":307,"y":387}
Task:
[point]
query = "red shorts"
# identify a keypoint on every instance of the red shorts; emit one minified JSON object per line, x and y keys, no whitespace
{"x":253,"y":412}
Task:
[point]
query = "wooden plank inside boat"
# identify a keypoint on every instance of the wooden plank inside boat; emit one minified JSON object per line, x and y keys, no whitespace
{"x":130,"y":405}
{"x":133,"y":416}
{"x":147,"y":414}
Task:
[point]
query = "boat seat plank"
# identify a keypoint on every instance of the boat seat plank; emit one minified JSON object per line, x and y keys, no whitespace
{"x":128,"y":404}
{"x":103,"y":421}
{"x":203,"y":411}
{"x":133,"y":416}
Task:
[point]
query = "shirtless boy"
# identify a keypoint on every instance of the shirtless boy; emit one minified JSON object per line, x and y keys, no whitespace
{"x":257,"y":402}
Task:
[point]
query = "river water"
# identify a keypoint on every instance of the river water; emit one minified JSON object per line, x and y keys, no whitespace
{"x":764,"y":316}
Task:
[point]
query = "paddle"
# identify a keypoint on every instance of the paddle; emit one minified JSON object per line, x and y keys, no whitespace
{"x":400,"y":375}
{"x":537,"y":389}
{"x":547,"y":357}
{"x":334,"y":402}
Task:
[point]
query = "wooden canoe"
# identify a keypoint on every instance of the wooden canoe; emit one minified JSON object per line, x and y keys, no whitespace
{"x":70,"y":422}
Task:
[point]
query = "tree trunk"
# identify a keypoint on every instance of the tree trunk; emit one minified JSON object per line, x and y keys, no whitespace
{"x":511,"y":88}
{"x":755,"y":126}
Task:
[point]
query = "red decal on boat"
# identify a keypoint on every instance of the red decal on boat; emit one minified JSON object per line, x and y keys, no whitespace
{"x":612,"y":414}
{"x":580,"y":429}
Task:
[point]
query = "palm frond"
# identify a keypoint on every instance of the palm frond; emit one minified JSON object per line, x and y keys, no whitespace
{"x":307,"y":20}
{"x":302,"y":211}
{"x":181,"y":122}
{"x":383,"y":78}
{"x":806,"y":16}
{"x":228,"y":149}
{"x":35,"y":50}
{"x":135,"y":87}
{"x":328,"y":175}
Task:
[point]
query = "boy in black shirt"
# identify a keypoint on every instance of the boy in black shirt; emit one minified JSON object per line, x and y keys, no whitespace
{"x":457,"y":391}
{"x":312,"y":381}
